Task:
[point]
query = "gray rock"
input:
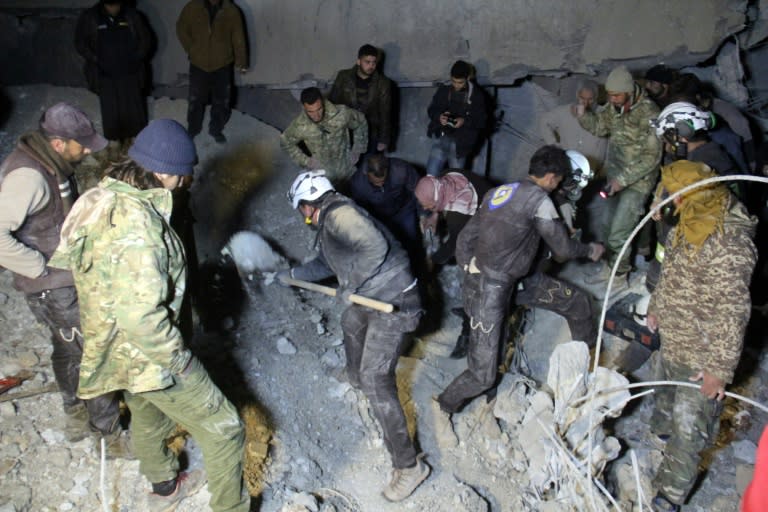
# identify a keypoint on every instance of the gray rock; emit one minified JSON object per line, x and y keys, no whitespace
{"x":744,"y":451}
{"x":285,"y":347}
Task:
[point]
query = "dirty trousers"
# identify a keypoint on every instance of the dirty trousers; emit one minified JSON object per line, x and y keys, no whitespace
{"x":485,"y":301}
{"x":195,"y":403}
{"x":692,"y":421}
{"x":60,"y":311}
{"x":373,"y":342}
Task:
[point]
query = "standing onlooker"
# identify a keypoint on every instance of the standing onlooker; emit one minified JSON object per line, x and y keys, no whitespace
{"x":457,"y":117}
{"x":130,"y":270}
{"x":37,"y":189}
{"x":114,"y":40}
{"x":560,"y":127}
{"x":701,"y":307}
{"x":631,"y":166}
{"x":212,"y":34}
{"x":365,"y":88}
{"x":367,"y":260}
{"x":657,"y":82}
{"x":324,"y":128}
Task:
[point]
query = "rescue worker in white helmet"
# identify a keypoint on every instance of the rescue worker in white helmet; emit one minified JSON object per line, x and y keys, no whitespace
{"x":366,"y":260}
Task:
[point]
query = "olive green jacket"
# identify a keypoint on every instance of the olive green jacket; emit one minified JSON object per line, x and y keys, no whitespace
{"x":211,"y":46}
{"x":634,"y":151}
{"x":377,"y":110}
{"x":130,"y":274}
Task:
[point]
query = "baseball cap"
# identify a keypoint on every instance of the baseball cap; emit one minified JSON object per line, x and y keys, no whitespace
{"x":68,"y":122}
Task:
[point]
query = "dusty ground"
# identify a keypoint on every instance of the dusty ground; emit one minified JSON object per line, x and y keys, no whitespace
{"x":279,"y":350}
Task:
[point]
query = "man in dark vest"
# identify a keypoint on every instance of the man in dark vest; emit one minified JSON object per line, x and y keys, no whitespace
{"x":37,"y":189}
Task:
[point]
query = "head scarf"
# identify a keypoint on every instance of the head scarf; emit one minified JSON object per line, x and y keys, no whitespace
{"x":703,"y":209}
{"x":452,"y":192}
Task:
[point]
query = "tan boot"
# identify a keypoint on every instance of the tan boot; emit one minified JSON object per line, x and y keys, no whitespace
{"x":187,"y":484}
{"x":405,"y":481}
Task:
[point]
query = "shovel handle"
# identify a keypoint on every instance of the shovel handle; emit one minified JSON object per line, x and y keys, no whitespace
{"x":378,"y":305}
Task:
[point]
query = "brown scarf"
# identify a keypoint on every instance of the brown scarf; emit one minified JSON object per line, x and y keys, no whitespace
{"x":38,"y":147}
{"x":703,"y":209}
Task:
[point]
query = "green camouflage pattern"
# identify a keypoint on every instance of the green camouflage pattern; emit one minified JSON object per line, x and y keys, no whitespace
{"x":328,"y":140}
{"x":634,"y":151}
{"x":130,"y":273}
{"x":702,"y":301}
{"x":692,"y":421}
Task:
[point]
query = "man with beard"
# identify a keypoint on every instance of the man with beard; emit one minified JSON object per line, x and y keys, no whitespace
{"x":323,"y":127}
{"x":37,"y":190}
{"x":657,"y":82}
{"x":631,"y":166}
{"x":365,"y":88}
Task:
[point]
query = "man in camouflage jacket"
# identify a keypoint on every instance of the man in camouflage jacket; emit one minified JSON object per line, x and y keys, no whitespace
{"x":324,"y":127}
{"x":701,"y":307}
{"x":632,"y":160}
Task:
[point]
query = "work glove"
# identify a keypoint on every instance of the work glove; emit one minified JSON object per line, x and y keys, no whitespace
{"x":281,"y":277}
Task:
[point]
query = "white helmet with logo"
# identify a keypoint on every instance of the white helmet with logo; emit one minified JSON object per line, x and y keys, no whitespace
{"x":579,"y":176}
{"x":683,"y":119}
{"x":309,"y":186}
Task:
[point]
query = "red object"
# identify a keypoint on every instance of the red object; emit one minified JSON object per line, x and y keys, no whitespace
{"x":8,"y":383}
{"x":756,"y":495}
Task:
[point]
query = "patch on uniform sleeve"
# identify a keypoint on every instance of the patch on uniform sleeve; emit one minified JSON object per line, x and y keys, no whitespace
{"x":502,"y":195}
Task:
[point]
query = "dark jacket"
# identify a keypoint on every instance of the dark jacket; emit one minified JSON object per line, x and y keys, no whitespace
{"x":716,"y":157}
{"x":393,"y":199}
{"x":40,"y":230}
{"x":212,"y":45}
{"x":363,"y":255}
{"x":377,"y":107}
{"x":126,"y":52}
{"x":503,"y":236}
{"x":472,"y":109}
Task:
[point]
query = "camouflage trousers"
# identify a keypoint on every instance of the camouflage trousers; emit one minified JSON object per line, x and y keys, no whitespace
{"x":692,"y":421}
{"x":624,"y":211}
{"x":195,"y":403}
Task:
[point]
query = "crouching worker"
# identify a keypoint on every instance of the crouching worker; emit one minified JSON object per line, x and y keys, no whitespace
{"x":130,"y":272}
{"x":367,"y":260}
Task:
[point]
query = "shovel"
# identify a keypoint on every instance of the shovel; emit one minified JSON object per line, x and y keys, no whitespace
{"x":378,"y":305}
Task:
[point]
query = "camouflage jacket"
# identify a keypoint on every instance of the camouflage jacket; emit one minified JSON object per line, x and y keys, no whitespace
{"x":702,"y":301}
{"x":634,"y":151}
{"x":130,"y":274}
{"x":328,"y":140}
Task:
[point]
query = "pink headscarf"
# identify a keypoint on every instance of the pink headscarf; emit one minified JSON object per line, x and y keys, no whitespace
{"x":452,"y":192}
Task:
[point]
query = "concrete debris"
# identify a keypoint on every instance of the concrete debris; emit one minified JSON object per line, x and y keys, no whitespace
{"x":468,"y":500}
{"x":301,"y":502}
{"x":745,"y":451}
{"x":443,"y":428}
{"x":285,"y":347}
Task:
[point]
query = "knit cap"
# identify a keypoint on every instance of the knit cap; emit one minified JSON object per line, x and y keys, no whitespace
{"x":164,"y":147}
{"x":620,"y":80}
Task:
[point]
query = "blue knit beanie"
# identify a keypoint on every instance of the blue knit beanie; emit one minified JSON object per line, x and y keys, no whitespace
{"x":165,"y":147}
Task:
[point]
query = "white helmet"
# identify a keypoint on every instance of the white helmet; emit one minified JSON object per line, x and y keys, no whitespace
{"x":684,"y":119}
{"x":309,"y":186}
{"x":579,"y":176}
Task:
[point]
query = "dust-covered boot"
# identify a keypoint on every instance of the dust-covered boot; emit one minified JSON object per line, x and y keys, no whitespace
{"x":167,"y":495}
{"x":76,"y":427}
{"x":405,"y":481}
{"x":446,"y":437}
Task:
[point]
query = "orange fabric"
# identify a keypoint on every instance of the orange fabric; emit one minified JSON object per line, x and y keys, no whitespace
{"x":756,"y":495}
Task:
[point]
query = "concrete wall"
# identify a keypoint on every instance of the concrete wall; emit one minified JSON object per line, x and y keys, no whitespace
{"x":505,"y":39}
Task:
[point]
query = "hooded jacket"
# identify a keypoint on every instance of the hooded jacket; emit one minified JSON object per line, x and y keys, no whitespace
{"x":702,"y":301}
{"x":212,"y":44}
{"x":473,"y":110}
{"x":130,"y":273}
{"x":634,"y":151}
